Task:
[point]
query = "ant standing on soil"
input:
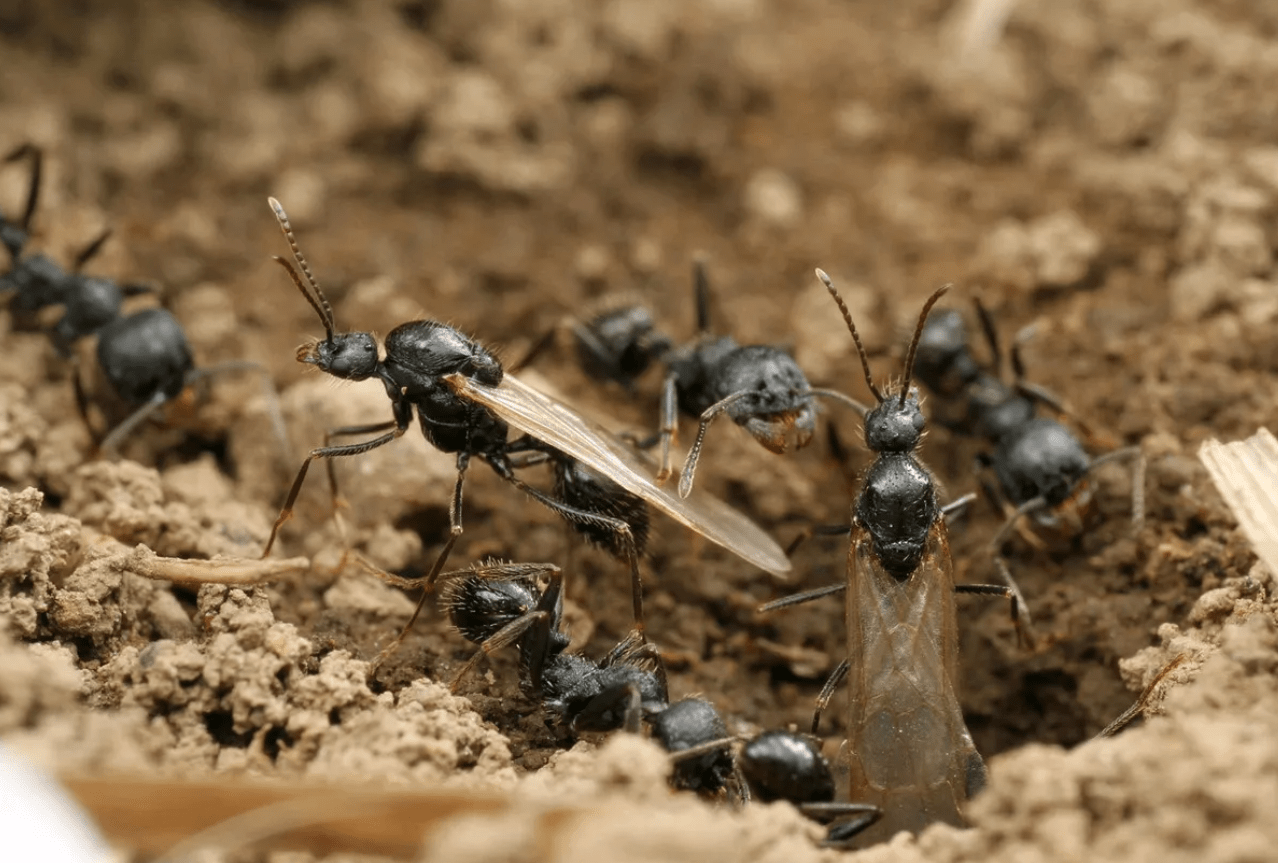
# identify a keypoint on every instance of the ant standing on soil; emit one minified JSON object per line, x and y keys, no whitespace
{"x":760,"y":387}
{"x":1040,"y":466}
{"x":466,"y":404}
{"x":496,"y":605}
{"x":909,"y":749}
{"x":144,"y":356}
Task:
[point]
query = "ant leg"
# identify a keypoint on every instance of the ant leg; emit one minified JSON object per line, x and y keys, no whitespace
{"x":33,"y":191}
{"x":273,"y":409}
{"x":861,"y":410}
{"x":802,"y":597}
{"x":996,"y":551}
{"x":707,"y":416}
{"x":601,"y":357}
{"x":1138,"y":478}
{"x":634,"y":709}
{"x":1020,"y":621}
{"x":605,"y":703}
{"x":539,"y":347}
{"x":616,"y":526}
{"x":428,"y":584}
{"x":120,"y":432}
{"x":86,"y":254}
{"x":832,"y":682}
{"x":335,"y":496}
{"x":1138,"y":493}
{"x":957,"y":507}
{"x":454,"y":528}
{"x":403,"y":416}
{"x":701,"y":292}
{"x":1142,"y":702}
{"x":504,"y":637}
{"x":668,"y":430}
{"x":82,"y":402}
{"x":634,"y":649}
{"x":991,"y":336}
{"x":840,"y":835}
{"x":529,"y":459}
{"x":1032,"y":505}
{"x":816,"y":530}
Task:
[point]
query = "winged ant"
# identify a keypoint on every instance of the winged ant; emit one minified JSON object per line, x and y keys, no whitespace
{"x":144,"y":356}
{"x":909,"y":750}
{"x":466,"y":404}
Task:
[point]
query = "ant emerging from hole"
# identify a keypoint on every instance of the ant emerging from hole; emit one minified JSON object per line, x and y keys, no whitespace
{"x":1039,"y":465}
{"x":466,"y":404}
{"x":760,"y":387}
{"x":497,"y":605}
{"x":144,"y":356}
{"x":909,"y":750}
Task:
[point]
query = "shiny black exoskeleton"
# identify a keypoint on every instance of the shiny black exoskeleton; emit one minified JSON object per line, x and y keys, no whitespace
{"x":419,"y":356}
{"x":898,"y":503}
{"x":144,"y":357}
{"x":692,"y":724}
{"x":782,"y":765}
{"x":898,"y":507}
{"x":587,"y":490}
{"x":760,"y":387}
{"x":37,"y":282}
{"x":1039,"y":463}
{"x":619,"y":342}
{"x":496,"y":605}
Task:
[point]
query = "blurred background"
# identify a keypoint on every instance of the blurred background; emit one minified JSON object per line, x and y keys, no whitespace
{"x":1106,"y":170}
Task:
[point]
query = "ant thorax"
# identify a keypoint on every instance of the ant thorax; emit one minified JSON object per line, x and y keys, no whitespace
{"x":898,"y":505}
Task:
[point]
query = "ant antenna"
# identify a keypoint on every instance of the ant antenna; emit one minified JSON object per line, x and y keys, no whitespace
{"x":918,"y":334}
{"x":991,"y":335}
{"x":37,"y":166}
{"x":318,"y":302}
{"x":701,"y":289}
{"x":860,"y":349}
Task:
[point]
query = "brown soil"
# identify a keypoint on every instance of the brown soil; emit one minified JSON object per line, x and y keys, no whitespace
{"x":1105,"y":170}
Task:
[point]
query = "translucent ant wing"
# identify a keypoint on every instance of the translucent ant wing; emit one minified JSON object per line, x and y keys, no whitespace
{"x":909,"y":749}
{"x":547,"y":420}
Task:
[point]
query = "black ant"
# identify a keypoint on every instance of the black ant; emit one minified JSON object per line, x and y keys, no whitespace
{"x":782,"y":765}
{"x":760,"y":387}
{"x":616,"y":340}
{"x":144,"y":356}
{"x":496,"y":605}
{"x":910,"y":752}
{"x":466,"y":404}
{"x":774,"y":765}
{"x":1039,"y":464}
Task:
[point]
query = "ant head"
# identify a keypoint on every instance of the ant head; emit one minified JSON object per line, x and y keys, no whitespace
{"x":350,"y":356}
{"x":896,"y":425}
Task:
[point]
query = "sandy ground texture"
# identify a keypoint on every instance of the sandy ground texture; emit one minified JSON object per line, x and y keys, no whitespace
{"x":1104,"y":171}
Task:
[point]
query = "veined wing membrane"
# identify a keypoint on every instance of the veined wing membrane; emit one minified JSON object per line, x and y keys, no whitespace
{"x":541,"y":416}
{"x":911,"y":752}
